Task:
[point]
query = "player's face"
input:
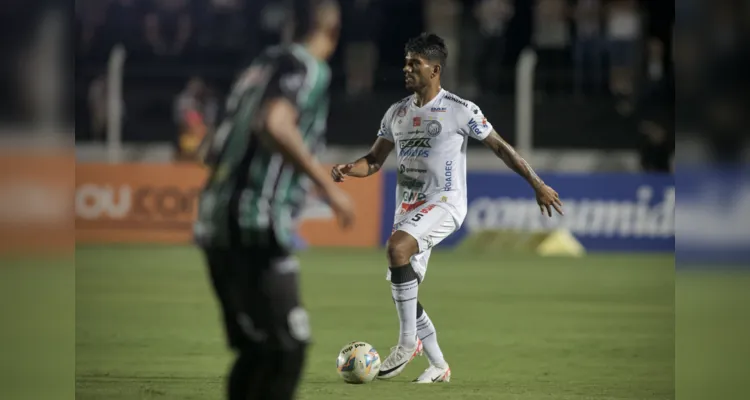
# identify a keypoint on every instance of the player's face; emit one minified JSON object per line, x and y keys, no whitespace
{"x":417,"y":72}
{"x":330,"y":23}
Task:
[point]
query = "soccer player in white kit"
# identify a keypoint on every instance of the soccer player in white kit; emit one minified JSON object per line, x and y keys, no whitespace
{"x":429,"y":131}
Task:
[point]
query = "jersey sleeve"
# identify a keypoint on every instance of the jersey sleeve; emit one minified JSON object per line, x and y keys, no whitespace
{"x":385,"y":126}
{"x":287,"y":81}
{"x":472,"y":121}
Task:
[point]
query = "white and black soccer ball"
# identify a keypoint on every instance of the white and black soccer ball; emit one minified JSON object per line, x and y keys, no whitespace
{"x":358,"y":362}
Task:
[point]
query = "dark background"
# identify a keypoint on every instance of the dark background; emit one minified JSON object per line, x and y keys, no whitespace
{"x":564,"y":116}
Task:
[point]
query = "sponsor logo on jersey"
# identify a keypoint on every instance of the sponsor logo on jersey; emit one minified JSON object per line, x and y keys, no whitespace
{"x":417,"y":121}
{"x":438,"y":109}
{"x":433,"y":128}
{"x":292,"y":83}
{"x":427,"y":209}
{"x":404,"y":169}
{"x":474,"y":126}
{"x":411,"y":143}
{"x":448,"y":175}
{"x":415,"y":147}
{"x":457,"y":100}
{"x":411,"y":201}
{"x":408,"y":182}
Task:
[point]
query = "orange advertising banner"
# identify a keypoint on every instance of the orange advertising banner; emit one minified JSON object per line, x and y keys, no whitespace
{"x":36,"y":208}
{"x":157,"y":203}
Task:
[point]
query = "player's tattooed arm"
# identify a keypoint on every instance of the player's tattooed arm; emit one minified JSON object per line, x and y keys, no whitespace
{"x":512,"y":159}
{"x":367,"y":165}
{"x":546,"y":197}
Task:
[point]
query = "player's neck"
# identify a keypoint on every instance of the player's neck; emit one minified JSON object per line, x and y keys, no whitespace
{"x":426,"y":95}
{"x":318,"y":47}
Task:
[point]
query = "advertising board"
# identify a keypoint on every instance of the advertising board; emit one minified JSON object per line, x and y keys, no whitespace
{"x":36,"y":207}
{"x":604,"y":211}
{"x":157,"y":203}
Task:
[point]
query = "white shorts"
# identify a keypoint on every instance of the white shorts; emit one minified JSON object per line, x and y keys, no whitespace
{"x":429,"y":224}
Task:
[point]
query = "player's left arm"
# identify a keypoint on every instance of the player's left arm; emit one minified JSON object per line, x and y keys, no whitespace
{"x":546,"y":197}
{"x":473,"y":122}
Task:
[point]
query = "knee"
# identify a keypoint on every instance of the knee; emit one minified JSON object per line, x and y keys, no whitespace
{"x":400,"y":248}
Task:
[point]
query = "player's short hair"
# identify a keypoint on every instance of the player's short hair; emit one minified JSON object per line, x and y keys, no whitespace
{"x":429,"y":46}
{"x":308,"y":15}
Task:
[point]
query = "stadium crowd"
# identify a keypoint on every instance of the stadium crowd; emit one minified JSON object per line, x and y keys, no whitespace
{"x":183,"y":54}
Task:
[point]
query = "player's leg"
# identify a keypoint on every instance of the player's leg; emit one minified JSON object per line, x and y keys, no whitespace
{"x":411,"y":237}
{"x":266,"y":326}
{"x":289,"y":330}
{"x":404,"y":286}
{"x":243,"y":336}
{"x":438,"y":371}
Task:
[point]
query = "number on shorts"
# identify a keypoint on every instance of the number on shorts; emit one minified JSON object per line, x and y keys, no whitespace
{"x":417,"y":217}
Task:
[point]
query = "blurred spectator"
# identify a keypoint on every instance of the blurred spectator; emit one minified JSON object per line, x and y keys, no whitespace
{"x":552,"y":37}
{"x":655,"y":60}
{"x":588,"y":52}
{"x":169,"y":27}
{"x":361,"y":21}
{"x":98,"y":103}
{"x":196,"y":109}
{"x":623,"y":33}
{"x":657,"y":112}
{"x":657,"y":150}
{"x":493,"y":17}
{"x":98,"y":107}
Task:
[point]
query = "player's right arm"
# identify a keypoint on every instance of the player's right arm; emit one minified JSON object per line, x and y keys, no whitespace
{"x":280,"y":116}
{"x":374,"y":159}
{"x":367,"y":165}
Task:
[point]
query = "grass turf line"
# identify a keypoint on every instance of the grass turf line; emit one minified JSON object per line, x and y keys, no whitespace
{"x":512,"y":327}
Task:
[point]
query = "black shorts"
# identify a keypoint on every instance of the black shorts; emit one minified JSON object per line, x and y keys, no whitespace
{"x":259,"y":295}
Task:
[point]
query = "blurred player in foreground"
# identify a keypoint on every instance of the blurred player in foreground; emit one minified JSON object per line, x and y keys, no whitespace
{"x":262,"y":161}
{"x":429,"y":131}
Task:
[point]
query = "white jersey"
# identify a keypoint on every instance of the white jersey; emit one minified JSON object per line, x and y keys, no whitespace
{"x":430,"y":142}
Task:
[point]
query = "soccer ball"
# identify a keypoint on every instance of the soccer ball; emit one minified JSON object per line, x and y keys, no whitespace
{"x":358,"y":362}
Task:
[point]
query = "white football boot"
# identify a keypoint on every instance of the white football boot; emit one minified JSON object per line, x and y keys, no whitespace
{"x":435,"y":374}
{"x":397,"y":360}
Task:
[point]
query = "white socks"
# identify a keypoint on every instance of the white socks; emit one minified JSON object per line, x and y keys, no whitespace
{"x":428,"y":335}
{"x":404,"y":287}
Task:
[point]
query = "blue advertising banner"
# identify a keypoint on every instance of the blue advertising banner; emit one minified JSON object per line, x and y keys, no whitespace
{"x":713,"y":216}
{"x":605,"y":212}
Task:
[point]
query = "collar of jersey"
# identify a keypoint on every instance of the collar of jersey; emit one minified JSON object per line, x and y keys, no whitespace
{"x":429,"y":103}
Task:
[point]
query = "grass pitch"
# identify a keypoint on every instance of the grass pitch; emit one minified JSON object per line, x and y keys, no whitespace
{"x":511,"y":327}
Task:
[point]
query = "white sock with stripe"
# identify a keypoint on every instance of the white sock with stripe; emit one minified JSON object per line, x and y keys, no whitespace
{"x":428,"y":335}
{"x":404,"y":288}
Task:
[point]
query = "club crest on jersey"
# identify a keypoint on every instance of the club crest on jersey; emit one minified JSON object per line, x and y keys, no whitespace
{"x":433,"y":128}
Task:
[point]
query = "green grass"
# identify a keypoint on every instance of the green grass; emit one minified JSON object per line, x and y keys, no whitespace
{"x":37,"y":331}
{"x":512,"y":327}
{"x":713,"y":325}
